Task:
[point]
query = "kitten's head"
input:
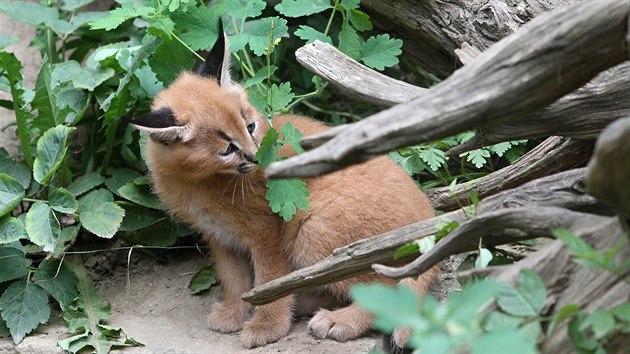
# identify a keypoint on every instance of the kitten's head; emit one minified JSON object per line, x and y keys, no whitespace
{"x":204,"y":124}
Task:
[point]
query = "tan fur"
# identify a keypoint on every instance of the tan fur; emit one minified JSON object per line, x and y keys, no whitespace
{"x":251,"y":244}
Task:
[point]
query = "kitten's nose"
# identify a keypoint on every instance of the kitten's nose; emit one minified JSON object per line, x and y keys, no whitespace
{"x":250,"y":158}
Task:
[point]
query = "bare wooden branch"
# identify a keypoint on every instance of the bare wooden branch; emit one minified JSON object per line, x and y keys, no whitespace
{"x":608,"y":175}
{"x":352,"y":78}
{"x":551,"y":156}
{"x":496,"y":228}
{"x":504,"y":84}
{"x":581,"y":114}
{"x":558,"y":190}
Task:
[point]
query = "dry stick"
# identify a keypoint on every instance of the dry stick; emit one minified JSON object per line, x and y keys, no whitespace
{"x":581,"y":114}
{"x":551,"y":156}
{"x":540,"y":63}
{"x":560,"y":190}
{"x":496,"y":228}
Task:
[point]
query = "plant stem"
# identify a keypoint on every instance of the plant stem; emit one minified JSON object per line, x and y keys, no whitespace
{"x":332,"y":15}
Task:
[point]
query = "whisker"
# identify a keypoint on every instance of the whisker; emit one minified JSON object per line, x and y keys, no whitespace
{"x":242,"y":191}
{"x":227,"y":185}
{"x":234,"y":192}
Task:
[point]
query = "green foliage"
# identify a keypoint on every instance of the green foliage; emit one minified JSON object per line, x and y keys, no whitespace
{"x":286,"y":196}
{"x":23,"y":307}
{"x":203,"y":280}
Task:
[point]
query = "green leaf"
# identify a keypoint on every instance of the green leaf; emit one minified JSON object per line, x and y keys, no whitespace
{"x":169,"y":60}
{"x":433,"y":157}
{"x":149,"y":81}
{"x":203,"y":280}
{"x":58,"y":280}
{"x":260,"y":75}
{"x":137,"y":217}
{"x":63,"y":201}
{"x":4,"y":330}
{"x":622,"y":312}
{"x":66,"y":239}
{"x":71,"y":5}
{"x":244,"y":9}
{"x":51,"y":149}
{"x":309,"y":34}
{"x":502,"y":340}
{"x":198,"y":26}
{"x":292,"y":136}
{"x":6,"y":40}
{"x":349,"y":41}
{"x":141,"y":195}
{"x":260,"y":32}
{"x":410,"y":248}
{"x":11,"y":193}
{"x":23,"y":307}
{"x":601,"y":321}
{"x":477,"y":157}
{"x":90,"y":79}
{"x":299,"y":8}
{"x":266,"y":154}
{"x":11,"y":229}
{"x":16,"y":169}
{"x":29,"y":12}
{"x":285,"y":196}
{"x":497,"y":320}
{"x":582,"y":343}
{"x":163,"y":233}
{"x":45,"y":100}
{"x":526,"y":300}
{"x":500,"y":148}
{"x":238,"y":42}
{"x":119,"y":15}
{"x":392,"y":307}
{"x":381,"y":52}
{"x":280,"y":96}
{"x":483,"y":259}
{"x":99,"y":214}
{"x":13,"y":264}
{"x":350,"y":4}
{"x":42,"y":226}
{"x":575,"y":243}
{"x":465,"y":306}
{"x":359,"y":20}
{"x":119,"y":178}
{"x":85,"y":183}
{"x":565,"y":312}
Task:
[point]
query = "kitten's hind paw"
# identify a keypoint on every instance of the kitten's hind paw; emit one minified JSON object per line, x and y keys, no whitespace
{"x":340,"y":325}
{"x":228,"y":319}
{"x":257,"y":333}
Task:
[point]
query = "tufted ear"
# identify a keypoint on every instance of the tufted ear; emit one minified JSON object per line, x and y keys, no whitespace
{"x":217,"y":64}
{"x":162,"y":126}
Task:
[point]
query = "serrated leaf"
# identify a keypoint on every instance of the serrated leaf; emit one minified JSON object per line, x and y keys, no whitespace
{"x":63,"y":201}
{"x":350,"y":4}
{"x":526,"y":300}
{"x":119,"y":15}
{"x":148,"y":81}
{"x":267,"y":151}
{"x":203,"y":280}
{"x":45,"y":100}
{"x":138,"y":218}
{"x":244,"y":9}
{"x":71,"y":5}
{"x":259,"y":36}
{"x":90,"y":79}
{"x":377,"y":299}
{"x":11,"y":193}
{"x":502,"y":340}
{"x":42,"y":226}
{"x":285,"y":196}
{"x":23,"y":307}
{"x":58,"y":280}
{"x":359,"y":20}
{"x":260,"y":75}
{"x":16,"y":169}
{"x":601,"y":322}
{"x":163,"y":233}
{"x":99,"y":214}
{"x":292,"y":136}
{"x":85,"y":183}
{"x":483,"y":259}
{"x":465,"y":306}
{"x":169,"y":60}
{"x":141,"y":195}
{"x":500,"y":148}
{"x":381,"y":52}
{"x":477,"y":157}
{"x":299,"y":8}
{"x":349,"y":41}
{"x":13,"y":264}
{"x":29,"y":12}
{"x":6,"y":40}
{"x":433,"y":157}
{"x":198,"y":26}
{"x":51,"y":149}
{"x":11,"y":229}
{"x":238,"y":42}
{"x":119,"y":178}
{"x":280,"y":96}
{"x":310,"y":35}
{"x":496,"y":320}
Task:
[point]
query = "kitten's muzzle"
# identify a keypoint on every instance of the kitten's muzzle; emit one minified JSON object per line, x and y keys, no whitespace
{"x":246,"y":167}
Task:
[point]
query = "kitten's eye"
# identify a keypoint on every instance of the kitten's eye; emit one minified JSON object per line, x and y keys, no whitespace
{"x":251,"y":127}
{"x":230,"y":149}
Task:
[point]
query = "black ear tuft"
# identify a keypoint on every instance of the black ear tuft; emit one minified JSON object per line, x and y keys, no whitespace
{"x":161,"y":118}
{"x":213,"y":65}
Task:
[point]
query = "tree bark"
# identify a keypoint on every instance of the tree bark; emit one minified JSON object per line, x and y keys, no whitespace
{"x":504,"y":84}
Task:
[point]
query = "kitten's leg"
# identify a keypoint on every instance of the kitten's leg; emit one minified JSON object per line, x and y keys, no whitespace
{"x":272,"y":321}
{"x":234,"y":271}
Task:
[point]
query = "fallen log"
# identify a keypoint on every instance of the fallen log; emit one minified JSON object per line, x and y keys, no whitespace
{"x":504,"y":84}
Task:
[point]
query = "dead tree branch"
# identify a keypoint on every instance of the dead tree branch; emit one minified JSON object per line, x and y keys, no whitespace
{"x":504,"y":84}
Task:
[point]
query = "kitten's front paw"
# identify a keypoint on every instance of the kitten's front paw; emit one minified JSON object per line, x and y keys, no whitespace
{"x":333,"y":325}
{"x":257,"y":333}
{"x":228,"y":318}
